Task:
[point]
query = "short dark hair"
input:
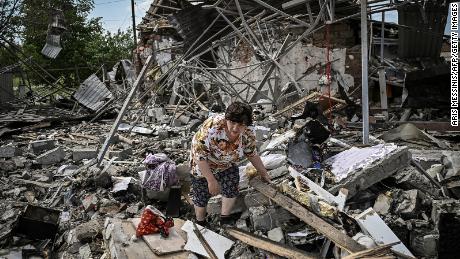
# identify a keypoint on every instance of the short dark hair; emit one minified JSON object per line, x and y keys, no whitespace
{"x":239,"y":112}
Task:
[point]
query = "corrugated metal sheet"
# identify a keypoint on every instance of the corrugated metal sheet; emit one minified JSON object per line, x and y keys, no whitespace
{"x":52,"y":46}
{"x":92,"y":93}
{"x":57,"y":19}
{"x":424,"y":38}
{"x":6,"y":87}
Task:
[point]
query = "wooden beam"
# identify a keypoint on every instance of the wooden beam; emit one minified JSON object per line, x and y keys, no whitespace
{"x":379,"y":250}
{"x":268,"y":245}
{"x":323,"y":227}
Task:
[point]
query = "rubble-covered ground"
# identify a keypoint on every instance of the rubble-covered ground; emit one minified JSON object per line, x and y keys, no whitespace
{"x":56,"y":200}
{"x":72,"y":172}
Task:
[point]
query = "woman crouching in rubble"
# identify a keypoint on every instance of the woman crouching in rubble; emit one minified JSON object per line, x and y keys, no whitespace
{"x":217,"y":147}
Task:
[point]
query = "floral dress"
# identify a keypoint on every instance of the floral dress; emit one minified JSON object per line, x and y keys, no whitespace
{"x":212,"y":144}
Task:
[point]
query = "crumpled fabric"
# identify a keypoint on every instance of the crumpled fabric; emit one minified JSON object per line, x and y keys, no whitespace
{"x":160,"y":173}
{"x":152,"y":222}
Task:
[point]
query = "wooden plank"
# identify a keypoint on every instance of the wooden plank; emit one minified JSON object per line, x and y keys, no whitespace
{"x":323,"y":227}
{"x":161,"y":246}
{"x":268,"y":245}
{"x":383,"y":249}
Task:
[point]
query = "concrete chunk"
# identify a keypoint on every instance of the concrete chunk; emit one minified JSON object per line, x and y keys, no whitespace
{"x":40,"y":146}
{"x":87,"y":231}
{"x":374,"y":173}
{"x":383,"y":204}
{"x":276,"y":235}
{"x":83,"y":153}
{"x":9,"y":151}
{"x":51,"y":157}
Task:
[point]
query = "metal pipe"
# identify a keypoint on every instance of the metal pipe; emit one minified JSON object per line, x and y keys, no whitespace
{"x":383,"y":37}
{"x":364,"y":73}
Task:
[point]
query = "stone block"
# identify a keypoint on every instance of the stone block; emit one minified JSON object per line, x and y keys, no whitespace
{"x":10,"y":150}
{"x":87,"y":231}
{"x":266,"y":218}
{"x":51,"y":157}
{"x":83,"y":153}
{"x":40,"y":146}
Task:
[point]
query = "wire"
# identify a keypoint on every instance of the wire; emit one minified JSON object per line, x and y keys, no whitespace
{"x":110,"y":2}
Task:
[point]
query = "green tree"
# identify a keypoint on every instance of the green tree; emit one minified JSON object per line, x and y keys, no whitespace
{"x":108,"y":48}
{"x":35,"y":15}
{"x":85,"y":44}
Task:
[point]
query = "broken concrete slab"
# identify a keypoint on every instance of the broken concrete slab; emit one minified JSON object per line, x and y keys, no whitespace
{"x":373,"y":225}
{"x":266,"y":218}
{"x":218,"y":243}
{"x":120,"y":245}
{"x":40,"y":146}
{"x":51,"y":157}
{"x":374,"y":172}
{"x":83,"y":153}
{"x":9,"y":151}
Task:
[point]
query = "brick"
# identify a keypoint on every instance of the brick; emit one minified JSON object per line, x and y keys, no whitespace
{"x":40,"y":146}
{"x":51,"y":157}
{"x":84,"y":153}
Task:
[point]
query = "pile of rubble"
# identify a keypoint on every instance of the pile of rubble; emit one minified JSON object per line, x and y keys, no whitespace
{"x":72,"y":180}
{"x":57,"y":200}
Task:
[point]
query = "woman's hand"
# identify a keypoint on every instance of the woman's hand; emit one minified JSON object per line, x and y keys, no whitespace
{"x":213,"y":186}
{"x":259,"y":166}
